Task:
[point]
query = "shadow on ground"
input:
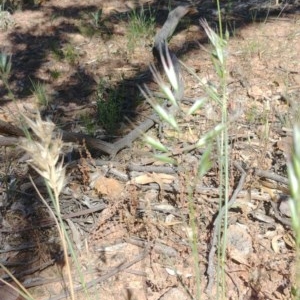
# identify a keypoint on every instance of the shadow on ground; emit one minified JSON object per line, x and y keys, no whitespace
{"x":31,"y":49}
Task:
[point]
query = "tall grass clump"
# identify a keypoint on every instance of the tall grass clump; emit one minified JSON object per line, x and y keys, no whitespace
{"x":294,"y":181}
{"x":39,"y":90}
{"x":140,"y":27}
{"x":109,"y":108}
{"x":216,"y":137}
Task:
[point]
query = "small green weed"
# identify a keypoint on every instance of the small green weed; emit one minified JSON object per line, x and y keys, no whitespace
{"x":109,"y":108}
{"x":251,"y":114}
{"x":254,"y":47}
{"x":140,"y":28}
{"x":256,"y":115}
{"x":39,"y":90}
{"x":56,"y":51}
{"x":5,"y":67}
{"x":93,"y":23}
{"x":70,"y":54}
{"x":55,"y":74}
{"x":88,"y":123}
{"x":96,"y":18}
{"x":86,"y":30}
{"x":67,"y":52}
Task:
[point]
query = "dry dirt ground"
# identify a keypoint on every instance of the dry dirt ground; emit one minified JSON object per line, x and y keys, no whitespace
{"x":131,"y":226}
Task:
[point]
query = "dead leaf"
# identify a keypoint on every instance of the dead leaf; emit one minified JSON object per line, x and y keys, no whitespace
{"x":108,"y":186}
{"x":159,"y":178}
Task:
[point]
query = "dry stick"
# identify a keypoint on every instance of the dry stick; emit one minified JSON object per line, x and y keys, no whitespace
{"x":50,"y":222}
{"x":157,"y":247}
{"x":9,"y":129}
{"x":91,"y":142}
{"x":108,"y":148}
{"x":284,"y":221}
{"x":31,"y":270}
{"x":43,"y":281}
{"x":152,"y":169}
{"x":210,"y":267}
{"x":127,"y":140}
{"x":272,"y":176}
{"x":110,"y":273}
{"x":111,"y":148}
{"x":6,"y":141}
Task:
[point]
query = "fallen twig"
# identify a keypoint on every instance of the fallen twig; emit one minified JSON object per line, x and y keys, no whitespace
{"x":50,"y":222}
{"x":284,"y":221}
{"x":157,"y":247}
{"x":271,"y":175}
{"x":152,"y":169}
{"x":93,"y":143}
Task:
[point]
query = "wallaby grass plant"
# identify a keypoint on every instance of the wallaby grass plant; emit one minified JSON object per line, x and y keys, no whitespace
{"x":140,"y":27}
{"x":96,"y":18}
{"x":66,"y":52}
{"x":56,"y":50}
{"x":88,"y":123}
{"x":166,"y":151}
{"x":45,"y":151}
{"x":39,"y":90}
{"x":55,"y":74}
{"x":70,"y":54}
{"x":93,"y":23}
{"x":219,"y":42}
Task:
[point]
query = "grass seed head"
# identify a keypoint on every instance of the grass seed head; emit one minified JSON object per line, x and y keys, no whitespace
{"x":45,"y":152}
